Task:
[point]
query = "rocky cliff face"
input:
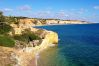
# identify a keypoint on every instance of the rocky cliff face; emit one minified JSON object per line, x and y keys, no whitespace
{"x":50,"y":38}
{"x":33,"y":22}
{"x":29,"y":22}
{"x":25,"y":55}
{"x":72,"y":22}
{"x":5,"y":56}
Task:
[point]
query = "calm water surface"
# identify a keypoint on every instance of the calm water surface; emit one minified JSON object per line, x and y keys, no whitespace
{"x":78,"y":46}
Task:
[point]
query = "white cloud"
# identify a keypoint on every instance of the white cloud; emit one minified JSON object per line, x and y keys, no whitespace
{"x":43,"y":14}
{"x":7,"y":9}
{"x":61,"y":14}
{"x":82,"y":11}
{"x":96,"y":7}
{"x":50,"y":14}
{"x":25,"y":7}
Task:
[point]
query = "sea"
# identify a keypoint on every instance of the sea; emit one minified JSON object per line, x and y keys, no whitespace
{"x":78,"y":46}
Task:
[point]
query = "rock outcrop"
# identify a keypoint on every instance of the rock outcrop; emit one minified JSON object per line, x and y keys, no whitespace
{"x":30,"y":22}
{"x":25,"y":55}
{"x":5,"y":56}
{"x":50,"y":38}
{"x":35,"y":22}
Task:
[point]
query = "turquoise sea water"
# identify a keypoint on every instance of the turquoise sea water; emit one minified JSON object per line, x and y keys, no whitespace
{"x":78,"y":46}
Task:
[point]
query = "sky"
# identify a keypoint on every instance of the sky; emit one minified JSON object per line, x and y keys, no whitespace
{"x":86,"y":10}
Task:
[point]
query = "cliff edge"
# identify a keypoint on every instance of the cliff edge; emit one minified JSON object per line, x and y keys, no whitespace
{"x":25,"y":55}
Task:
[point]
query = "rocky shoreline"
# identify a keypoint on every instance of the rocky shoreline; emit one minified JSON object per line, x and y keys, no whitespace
{"x":23,"y":54}
{"x":40,"y":22}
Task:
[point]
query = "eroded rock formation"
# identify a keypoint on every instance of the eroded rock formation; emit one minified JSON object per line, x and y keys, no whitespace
{"x":24,"y":53}
{"x":33,"y":22}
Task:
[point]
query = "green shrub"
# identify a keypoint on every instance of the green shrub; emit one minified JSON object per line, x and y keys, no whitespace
{"x":33,"y":37}
{"x":9,"y":65}
{"x":21,"y":38}
{"x":2,"y":17}
{"x":6,"y":41}
{"x":4,"y":28}
{"x":26,"y":37}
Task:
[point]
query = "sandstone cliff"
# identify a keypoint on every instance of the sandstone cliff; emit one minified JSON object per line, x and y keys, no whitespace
{"x":5,"y":56}
{"x":25,"y":55}
{"x":33,"y":22}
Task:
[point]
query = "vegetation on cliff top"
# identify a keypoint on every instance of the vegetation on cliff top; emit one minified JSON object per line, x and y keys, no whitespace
{"x":5,"y":28}
{"x":26,"y":36}
{"x":6,"y":41}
